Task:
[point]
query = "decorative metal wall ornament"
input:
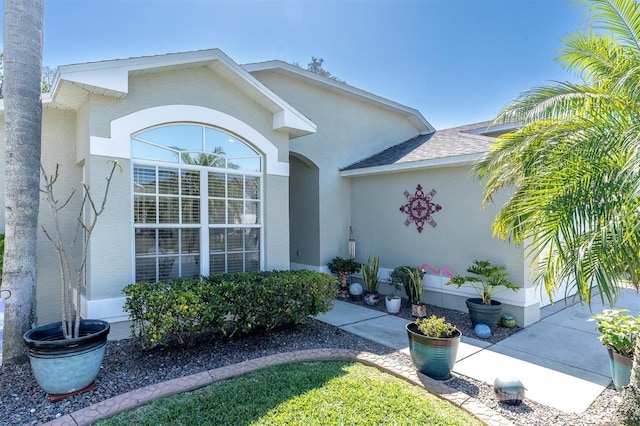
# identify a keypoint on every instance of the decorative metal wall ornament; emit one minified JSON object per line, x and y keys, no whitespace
{"x":419,"y":207}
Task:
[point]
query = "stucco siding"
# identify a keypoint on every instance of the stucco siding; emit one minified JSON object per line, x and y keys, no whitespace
{"x":199,"y":86}
{"x":58,"y":147}
{"x":276,"y":224}
{"x":463,"y":231}
{"x":111,"y":267}
{"x":348,"y":130}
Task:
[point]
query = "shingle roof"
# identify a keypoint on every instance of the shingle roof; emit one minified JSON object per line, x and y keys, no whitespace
{"x":454,"y":142}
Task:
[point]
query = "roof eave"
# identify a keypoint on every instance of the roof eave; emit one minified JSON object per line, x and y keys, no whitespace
{"x":291,"y":70}
{"x":459,"y":160}
{"x":73,"y":83}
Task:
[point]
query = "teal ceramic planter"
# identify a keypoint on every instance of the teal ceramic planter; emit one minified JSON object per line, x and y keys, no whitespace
{"x":63,"y":366}
{"x":433,"y":356}
{"x":620,"y":369}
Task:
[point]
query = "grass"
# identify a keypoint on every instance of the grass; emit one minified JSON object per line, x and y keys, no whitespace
{"x":313,"y":393}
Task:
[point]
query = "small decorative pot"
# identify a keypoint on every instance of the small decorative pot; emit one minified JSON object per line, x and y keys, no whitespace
{"x":418,"y":310}
{"x":393,"y":305}
{"x":433,"y":356}
{"x":371,"y":298}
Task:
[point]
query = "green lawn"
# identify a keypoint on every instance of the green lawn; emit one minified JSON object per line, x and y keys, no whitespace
{"x":313,"y":393}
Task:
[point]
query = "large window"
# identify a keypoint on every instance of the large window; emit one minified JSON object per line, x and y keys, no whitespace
{"x":196,"y":202}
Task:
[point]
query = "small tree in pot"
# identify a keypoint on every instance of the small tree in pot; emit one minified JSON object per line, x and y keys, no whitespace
{"x":486,"y":279}
{"x":50,"y":343}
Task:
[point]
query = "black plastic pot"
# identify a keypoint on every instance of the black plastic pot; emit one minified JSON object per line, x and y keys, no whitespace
{"x":484,"y":314}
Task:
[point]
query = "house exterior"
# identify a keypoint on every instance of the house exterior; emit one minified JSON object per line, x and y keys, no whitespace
{"x":258,"y":167}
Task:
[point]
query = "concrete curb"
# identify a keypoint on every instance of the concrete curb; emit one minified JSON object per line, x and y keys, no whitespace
{"x":137,"y":397}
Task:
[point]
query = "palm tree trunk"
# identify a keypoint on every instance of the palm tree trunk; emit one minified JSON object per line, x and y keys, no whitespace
{"x":22,"y":57}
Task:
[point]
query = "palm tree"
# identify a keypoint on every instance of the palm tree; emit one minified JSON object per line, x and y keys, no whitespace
{"x":22,"y":60}
{"x":573,"y":165}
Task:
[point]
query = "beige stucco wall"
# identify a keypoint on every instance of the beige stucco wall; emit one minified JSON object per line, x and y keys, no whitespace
{"x":67,"y":138}
{"x":463,"y":233}
{"x":58,"y":139}
{"x":348,"y":130}
{"x":111,"y":266}
{"x":198,"y":86}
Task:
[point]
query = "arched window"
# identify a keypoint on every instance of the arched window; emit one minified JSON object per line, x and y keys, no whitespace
{"x":197,"y":202}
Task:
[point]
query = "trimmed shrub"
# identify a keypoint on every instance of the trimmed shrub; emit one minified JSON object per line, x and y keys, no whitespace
{"x":175,"y":312}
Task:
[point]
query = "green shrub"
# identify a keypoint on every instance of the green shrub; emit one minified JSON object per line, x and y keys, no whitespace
{"x":179,"y":310}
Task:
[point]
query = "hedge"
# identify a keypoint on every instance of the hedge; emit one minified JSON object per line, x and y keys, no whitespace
{"x":175,"y":312}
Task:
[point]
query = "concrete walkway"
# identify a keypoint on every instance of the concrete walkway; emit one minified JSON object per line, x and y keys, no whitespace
{"x":559,"y":359}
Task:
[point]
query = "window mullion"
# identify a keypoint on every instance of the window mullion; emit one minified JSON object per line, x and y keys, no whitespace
{"x":204,"y":223}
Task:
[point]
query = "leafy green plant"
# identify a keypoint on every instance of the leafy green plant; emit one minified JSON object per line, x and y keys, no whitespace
{"x":370,"y":274}
{"x":346,"y":266}
{"x":618,"y":330}
{"x":399,"y":278}
{"x":176,"y":312}
{"x":436,"y":327}
{"x":486,"y":279}
{"x":413,"y":286}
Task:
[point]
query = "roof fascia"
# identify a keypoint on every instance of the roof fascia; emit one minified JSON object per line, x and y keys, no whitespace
{"x":292,"y":71}
{"x":459,"y":160}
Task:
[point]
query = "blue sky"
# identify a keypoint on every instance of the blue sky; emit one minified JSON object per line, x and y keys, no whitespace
{"x":456,"y":61}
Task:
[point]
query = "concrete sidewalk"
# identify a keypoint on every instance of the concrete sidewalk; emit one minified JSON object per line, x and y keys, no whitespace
{"x":559,"y":359}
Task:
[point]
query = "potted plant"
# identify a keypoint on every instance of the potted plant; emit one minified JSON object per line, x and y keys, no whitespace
{"x":618,"y":330}
{"x":415,"y":290}
{"x":486,"y":280}
{"x":392,"y":303}
{"x":399,"y":278}
{"x":66,"y":356}
{"x":343,"y":269}
{"x":433,"y":345}
{"x":371,"y":280}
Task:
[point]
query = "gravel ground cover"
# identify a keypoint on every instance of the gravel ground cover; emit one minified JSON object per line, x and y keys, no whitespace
{"x":126,"y":367}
